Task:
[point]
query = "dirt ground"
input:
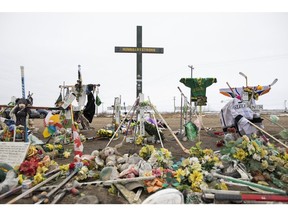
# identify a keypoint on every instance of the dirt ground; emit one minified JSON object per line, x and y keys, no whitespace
{"x":207,"y":137}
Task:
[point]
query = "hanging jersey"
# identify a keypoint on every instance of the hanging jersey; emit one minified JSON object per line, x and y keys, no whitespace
{"x":198,"y":87}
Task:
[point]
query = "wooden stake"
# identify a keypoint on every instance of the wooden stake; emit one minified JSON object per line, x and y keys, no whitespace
{"x":177,"y":140}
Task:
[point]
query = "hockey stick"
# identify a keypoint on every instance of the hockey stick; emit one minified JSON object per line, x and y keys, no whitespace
{"x":267,"y":133}
{"x":17,"y":189}
{"x":33,"y":188}
{"x":109,"y":182}
{"x":265,"y":188}
{"x":58,"y":187}
{"x":239,"y":196}
{"x":242,"y":74}
{"x":273,"y":82}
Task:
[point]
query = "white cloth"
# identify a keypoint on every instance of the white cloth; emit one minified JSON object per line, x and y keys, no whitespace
{"x":231,"y":110}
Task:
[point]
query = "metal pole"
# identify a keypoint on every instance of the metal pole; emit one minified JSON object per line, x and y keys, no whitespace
{"x":174,"y":104}
{"x":191,"y":67}
{"x":23,"y":96}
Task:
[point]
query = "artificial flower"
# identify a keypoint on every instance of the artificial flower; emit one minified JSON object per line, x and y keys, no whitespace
{"x":196,"y":176}
{"x":28,"y":167}
{"x":240,"y":154}
{"x":179,"y":174}
{"x":37,"y":178}
{"x":139,"y":140}
{"x":66,"y":154}
{"x":185,"y":162}
{"x":256,"y":157}
{"x":264,"y":164}
{"x":64,"y":167}
{"x":221,"y":186}
{"x":196,"y":166}
{"x":42,"y":169}
{"x":20,"y":179}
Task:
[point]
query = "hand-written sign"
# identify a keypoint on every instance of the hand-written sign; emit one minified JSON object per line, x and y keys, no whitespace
{"x":13,"y":153}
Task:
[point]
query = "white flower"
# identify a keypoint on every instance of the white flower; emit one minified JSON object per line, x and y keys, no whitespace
{"x":194,"y":160}
{"x":256,"y":157}
{"x":196,"y":166}
{"x":251,"y":148}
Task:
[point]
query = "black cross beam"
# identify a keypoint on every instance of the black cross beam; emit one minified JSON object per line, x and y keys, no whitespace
{"x":139,"y":50}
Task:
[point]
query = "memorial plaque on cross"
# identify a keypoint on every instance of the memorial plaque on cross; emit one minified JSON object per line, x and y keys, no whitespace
{"x":139,"y":50}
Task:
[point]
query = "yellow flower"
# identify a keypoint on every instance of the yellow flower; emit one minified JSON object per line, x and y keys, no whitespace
{"x":240,"y":154}
{"x":215,"y":158}
{"x":20,"y":179}
{"x":41,"y":169}
{"x":263,"y":153}
{"x":49,"y":146}
{"x":166,"y":153}
{"x":66,"y":154}
{"x":285,"y":157}
{"x":221,"y":186}
{"x":254,"y":136}
{"x":196,"y":186}
{"x":139,"y":140}
{"x":196,"y":176}
{"x":208,"y":151}
{"x":37,"y":179}
{"x":256,"y":146}
{"x":146,"y":151}
{"x":246,"y":138}
{"x":64,"y":167}
{"x":179,"y":174}
{"x":32,"y":151}
{"x":52,"y":162}
{"x":59,"y":147}
{"x":270,"y":145}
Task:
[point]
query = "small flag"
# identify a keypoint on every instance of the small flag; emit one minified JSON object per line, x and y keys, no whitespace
{"x":98,"y":101}
{"x":59,"y":100}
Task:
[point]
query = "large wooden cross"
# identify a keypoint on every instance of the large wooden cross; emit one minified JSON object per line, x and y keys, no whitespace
{"x":139,"y":50}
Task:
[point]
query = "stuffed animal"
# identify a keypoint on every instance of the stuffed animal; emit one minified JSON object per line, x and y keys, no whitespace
{"x":21,"y":110}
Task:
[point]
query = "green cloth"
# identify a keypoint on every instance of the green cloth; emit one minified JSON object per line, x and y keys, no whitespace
{"x":98,"y":101}
{"x":198,"y":86}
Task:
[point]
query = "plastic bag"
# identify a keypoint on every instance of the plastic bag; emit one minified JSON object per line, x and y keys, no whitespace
{"x":191,"y":130}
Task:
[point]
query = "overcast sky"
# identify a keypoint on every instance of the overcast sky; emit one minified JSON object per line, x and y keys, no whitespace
{"x":219,"y":45}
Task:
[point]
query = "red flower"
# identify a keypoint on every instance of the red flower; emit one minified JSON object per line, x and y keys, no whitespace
{"x":29,"y":168}
{"x":72,"y":166}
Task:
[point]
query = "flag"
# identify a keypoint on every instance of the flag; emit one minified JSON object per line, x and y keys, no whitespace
{"x":78,"y":146}
{"x":59,"y":100}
